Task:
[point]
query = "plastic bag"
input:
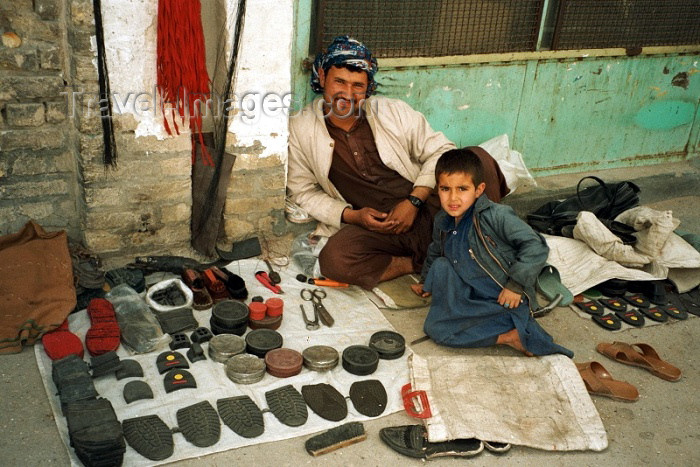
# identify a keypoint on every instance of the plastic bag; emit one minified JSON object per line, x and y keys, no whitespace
{"x":186,"y":292}
{"x":305,"y":251}
{"x":510,"y":161}
{"x":140,"y":330}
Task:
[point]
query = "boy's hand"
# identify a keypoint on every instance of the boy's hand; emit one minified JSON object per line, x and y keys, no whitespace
{"x":509,"y":299}
{"x":418,"y":290}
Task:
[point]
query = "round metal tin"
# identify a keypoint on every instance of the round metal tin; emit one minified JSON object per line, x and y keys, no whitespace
{"x":245,"y":369}
{"x":224,"y":346}
{"x":269,"y":322}
{"x":283,"y":363}
{"x":275,"y":306}
{"x":360,"y":360}
{"x":388,"y":344}
{"x":260,"y":341}
{"x":257,"y":311}
{"x":320,"y":358}
{"x":229,"y":314}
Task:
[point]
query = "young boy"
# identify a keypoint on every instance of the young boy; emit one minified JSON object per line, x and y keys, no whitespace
{"x":481,"y":266}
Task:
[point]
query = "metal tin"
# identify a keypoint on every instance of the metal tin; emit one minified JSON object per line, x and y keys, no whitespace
{"x":269,"y":322}
{"x":388,"y":344}
{"x":320,"y":358}
{"x":261,"y":341}
{"x":283,"y":363}
{"x":360,"y":360}
{"x":229,"y":314}
{"x":257,"y":311}
{"x":224,"y":346}
{"x":245,"y":369}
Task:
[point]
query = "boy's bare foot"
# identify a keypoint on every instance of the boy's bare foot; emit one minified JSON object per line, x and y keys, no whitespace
{"x":512,"y":339}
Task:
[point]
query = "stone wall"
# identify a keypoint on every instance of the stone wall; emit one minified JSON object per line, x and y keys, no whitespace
{"x":37,"y":158}
{"x":51,"y":140}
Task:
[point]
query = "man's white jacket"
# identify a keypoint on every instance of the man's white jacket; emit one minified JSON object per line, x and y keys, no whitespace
{"x":405,"y":142}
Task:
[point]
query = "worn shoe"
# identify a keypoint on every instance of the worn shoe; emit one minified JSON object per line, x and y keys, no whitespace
{"x":412,"y":441}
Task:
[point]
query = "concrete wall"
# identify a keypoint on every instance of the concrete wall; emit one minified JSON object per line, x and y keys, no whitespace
{"x":563,"y":114}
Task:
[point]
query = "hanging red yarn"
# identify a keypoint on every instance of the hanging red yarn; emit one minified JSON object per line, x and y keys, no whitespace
{"x":182,"y":76}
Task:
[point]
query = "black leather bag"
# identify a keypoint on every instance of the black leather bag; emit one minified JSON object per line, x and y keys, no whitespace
{"x":606,"y":201}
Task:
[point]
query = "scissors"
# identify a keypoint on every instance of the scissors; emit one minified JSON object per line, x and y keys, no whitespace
{"x":316,"y":297}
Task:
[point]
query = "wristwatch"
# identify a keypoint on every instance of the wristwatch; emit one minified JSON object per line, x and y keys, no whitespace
{"x":417,"y":202}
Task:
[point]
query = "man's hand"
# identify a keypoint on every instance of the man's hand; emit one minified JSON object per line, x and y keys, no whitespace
{"x":418,"y":290}
{"x":370,"y":219}
{"x":403,"y":215}
{"x":509,"y":299}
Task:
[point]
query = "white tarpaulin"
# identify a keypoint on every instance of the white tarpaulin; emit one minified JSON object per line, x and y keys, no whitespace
{"x":356,"y":319}
{"x":538,"y":402}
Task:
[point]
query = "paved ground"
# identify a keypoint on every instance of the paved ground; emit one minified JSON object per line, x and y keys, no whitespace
{"x":662,"y":428}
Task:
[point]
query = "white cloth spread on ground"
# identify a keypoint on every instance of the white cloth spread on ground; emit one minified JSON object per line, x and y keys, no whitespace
{"x":581,"y":268}
{"x":356,"y":319}
{"x":537,"y":402}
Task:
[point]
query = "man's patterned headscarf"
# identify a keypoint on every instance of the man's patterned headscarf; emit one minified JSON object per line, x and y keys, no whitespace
{"x":345,"y":50}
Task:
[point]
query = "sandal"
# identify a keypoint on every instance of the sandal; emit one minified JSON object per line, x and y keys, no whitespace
{"x":641,"y":355}
{"x":599,"y":382}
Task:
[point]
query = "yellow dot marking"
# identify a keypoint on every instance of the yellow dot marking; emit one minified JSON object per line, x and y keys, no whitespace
{"x":594,"y":308}
{"x":657,"y":314}
{"x":634,"y":318}
{"x":609,"y":321}
{"x":170,"y":357}
{"x":616,"y":303}
{"x":638,"y":300}
{"x":178,"y":376}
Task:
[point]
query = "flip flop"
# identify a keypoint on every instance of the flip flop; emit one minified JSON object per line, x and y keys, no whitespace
{"x":549,"y":283}
{"x":641,"y":355}
{"x":609,"y":321}
{"x":599,"y":382}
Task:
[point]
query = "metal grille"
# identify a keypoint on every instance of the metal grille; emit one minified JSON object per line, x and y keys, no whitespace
{"x":430,"y":28}
{"x":584,"y":24}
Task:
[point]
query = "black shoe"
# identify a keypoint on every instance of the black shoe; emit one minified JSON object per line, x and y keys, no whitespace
{"x":412,"y":441}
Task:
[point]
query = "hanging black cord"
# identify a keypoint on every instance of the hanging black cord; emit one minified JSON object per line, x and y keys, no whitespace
{"x":110,"y":146}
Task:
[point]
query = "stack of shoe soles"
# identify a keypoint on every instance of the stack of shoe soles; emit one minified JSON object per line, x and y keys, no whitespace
{"x":687,"y":301}
{"x":61,"y":342}
{"x":216,"y":287}
{"x":134,"y":278}
{"x":105,"y":364}
{"x":95,"y":433}
{"x":88,"y":275}
{"x":104,"y":334}
{"x":616,"y":304}
{"x":73,"y":381}
{"x":229,"y":317}
{"x":225,"y":346}
{"x":174,"y":321}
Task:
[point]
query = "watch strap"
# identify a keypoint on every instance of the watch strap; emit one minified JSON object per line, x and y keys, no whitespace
{"x":417,"y":202}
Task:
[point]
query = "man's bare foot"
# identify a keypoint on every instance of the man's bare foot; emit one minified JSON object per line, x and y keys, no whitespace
{"x":399,"y":266}
{"x":512,"y":339}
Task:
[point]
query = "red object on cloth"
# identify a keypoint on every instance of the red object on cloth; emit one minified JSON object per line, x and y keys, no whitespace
{"x":103,"y":336}
{"x":181,"y":68}
{"x":60,"y":343}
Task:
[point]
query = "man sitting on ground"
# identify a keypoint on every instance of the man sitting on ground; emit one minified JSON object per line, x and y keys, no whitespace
{"x":364,"y":167}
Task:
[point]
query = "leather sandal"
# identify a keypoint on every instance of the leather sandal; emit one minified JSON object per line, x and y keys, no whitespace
{"x":599,"y":382}
{"x":641,"y":355}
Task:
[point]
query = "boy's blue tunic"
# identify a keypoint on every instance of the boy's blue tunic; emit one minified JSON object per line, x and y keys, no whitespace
{"x":464,"y":311}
